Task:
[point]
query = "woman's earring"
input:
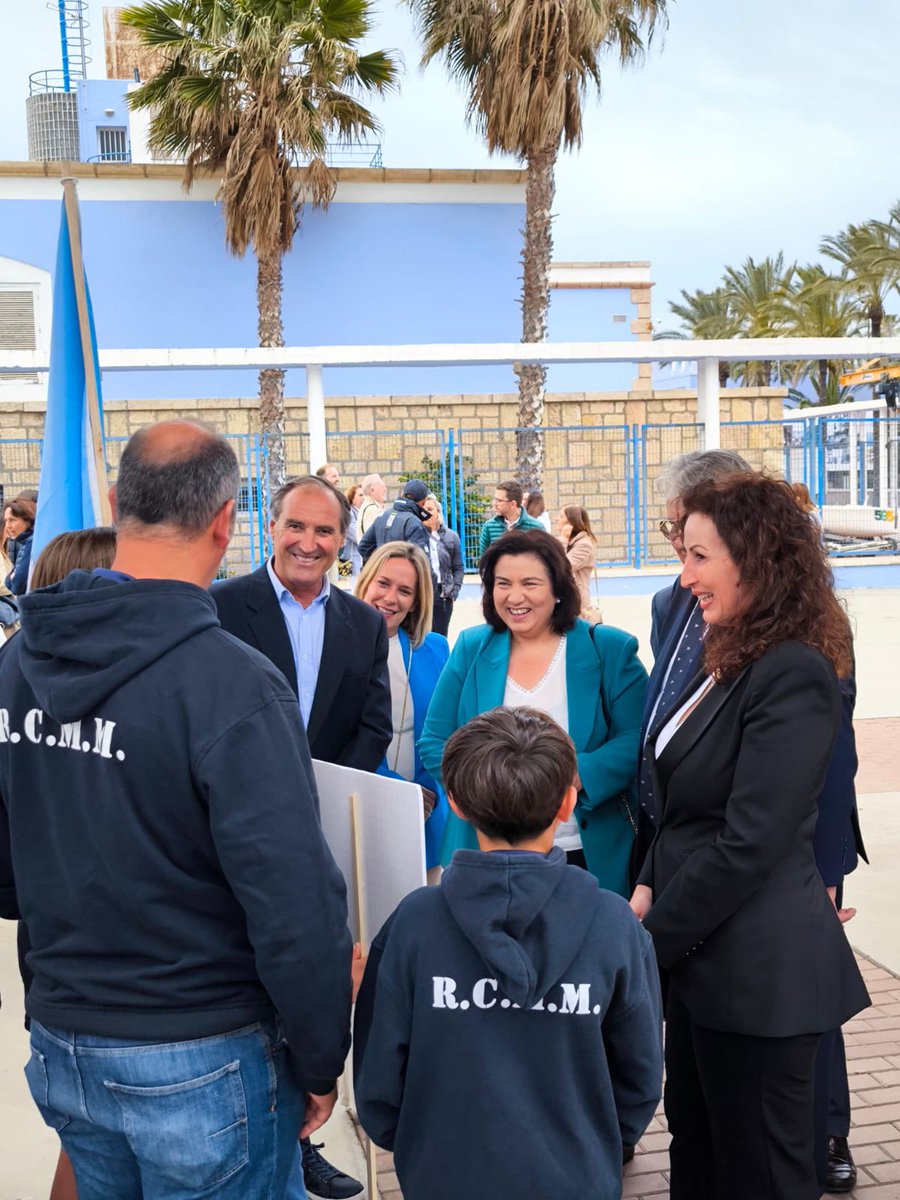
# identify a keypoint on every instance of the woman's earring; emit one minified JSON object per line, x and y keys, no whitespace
{"x":557,"y":600}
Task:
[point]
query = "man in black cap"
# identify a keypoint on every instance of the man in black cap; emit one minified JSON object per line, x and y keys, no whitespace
{"x":402,"y":522}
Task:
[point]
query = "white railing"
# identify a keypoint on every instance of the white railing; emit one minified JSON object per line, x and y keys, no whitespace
{"x":707,"y":355}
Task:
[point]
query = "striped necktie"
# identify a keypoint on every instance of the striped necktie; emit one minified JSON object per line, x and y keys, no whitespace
{"x":685,"y":666}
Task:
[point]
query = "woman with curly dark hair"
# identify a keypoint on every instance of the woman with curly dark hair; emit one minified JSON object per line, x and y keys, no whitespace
{"x":759,"y":964}
{"x":534,"y":651}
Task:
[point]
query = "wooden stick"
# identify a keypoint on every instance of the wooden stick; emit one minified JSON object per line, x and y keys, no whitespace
{"x":84,"y":327}
{"x":363,"y":932}
{"x":356,"y":833}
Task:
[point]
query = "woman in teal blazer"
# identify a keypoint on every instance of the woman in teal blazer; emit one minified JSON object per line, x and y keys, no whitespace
{"x":605,"y":684}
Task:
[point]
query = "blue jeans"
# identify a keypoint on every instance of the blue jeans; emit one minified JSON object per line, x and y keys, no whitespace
{"x":213,"y":1117}
{"x":296,"y":1188}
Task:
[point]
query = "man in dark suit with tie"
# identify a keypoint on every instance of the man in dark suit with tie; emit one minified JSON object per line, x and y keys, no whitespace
{"x":332,"y":649}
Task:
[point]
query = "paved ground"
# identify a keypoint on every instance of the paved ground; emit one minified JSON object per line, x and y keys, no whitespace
{"x":878,"y":746}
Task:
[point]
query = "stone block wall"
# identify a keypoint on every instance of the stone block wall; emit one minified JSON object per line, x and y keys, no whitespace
{"x":591,"y":455}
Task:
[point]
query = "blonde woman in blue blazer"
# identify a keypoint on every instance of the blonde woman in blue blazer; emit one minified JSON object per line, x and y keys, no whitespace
{"x":535,"y":650}
{"x":396,"y":580}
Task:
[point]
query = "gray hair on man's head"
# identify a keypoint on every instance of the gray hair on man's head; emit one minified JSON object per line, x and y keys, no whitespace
{"x":369,"y":482}
{"x":697,"y":466}
{"x":176,"y":474}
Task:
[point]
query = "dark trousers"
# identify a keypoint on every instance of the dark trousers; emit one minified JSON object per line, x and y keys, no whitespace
{"x":740,"y":1112}
{"x":832,"y":1108}
{"x":837,"y":1120}
{"x":440,"y":614}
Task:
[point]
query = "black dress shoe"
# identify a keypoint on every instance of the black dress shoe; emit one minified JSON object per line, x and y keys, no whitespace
{"x":627,"y":1153}
{"x":841,"y":1168}
{"x":320,"y":1178}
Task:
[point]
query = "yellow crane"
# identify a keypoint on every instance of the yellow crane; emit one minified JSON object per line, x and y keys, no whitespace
{"x":878,"y":371}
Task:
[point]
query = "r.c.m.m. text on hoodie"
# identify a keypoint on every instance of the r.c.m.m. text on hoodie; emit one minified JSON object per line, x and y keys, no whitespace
{"x":159,"y":831}
{"x":508,"y":1034}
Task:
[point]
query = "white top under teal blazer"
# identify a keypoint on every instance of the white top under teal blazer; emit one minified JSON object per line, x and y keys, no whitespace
{"x":605,"y":686}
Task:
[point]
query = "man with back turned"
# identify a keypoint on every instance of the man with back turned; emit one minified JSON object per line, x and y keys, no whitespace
{"x":159,"y":836}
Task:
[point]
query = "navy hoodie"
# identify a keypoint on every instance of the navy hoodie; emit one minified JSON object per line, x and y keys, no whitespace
{"x":508,"y":1034}
{"x":159,"y":830}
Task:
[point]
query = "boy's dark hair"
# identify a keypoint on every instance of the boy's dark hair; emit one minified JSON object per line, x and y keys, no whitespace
{"x":507,"y":771}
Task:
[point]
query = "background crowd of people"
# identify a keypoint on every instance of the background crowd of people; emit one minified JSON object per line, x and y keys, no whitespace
{"x":716,"y":797}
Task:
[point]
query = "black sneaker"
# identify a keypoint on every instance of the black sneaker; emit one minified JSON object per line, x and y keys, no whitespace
{"x":841,"y":1167}
{"x":321,"y":1179}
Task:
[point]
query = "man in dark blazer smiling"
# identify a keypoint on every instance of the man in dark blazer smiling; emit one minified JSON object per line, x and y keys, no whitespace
{"x":332,"y":649}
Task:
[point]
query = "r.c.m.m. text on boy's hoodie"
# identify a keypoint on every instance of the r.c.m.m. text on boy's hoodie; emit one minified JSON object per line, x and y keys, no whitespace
{"x":508,"y":1033}
{"x":159,"y":832}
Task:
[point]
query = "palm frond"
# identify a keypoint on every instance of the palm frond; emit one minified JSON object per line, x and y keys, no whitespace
{"x":869,"y":257}
{"x":529,"y":65}
{"x":251,"y":88}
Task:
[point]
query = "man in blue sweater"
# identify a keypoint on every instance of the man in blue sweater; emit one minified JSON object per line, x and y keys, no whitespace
{"x":159,"y":837}
{"x":508,"y":1036}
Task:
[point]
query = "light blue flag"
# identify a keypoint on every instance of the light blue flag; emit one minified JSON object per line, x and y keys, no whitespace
{"x":69,"y":496}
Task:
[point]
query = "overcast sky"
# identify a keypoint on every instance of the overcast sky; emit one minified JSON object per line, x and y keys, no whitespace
{"x":753,"y":126}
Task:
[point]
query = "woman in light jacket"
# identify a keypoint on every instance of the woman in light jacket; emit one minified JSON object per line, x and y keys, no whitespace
{"x":396,"y":580}
{"x":535,"y":651}
{"x":574,"y":528}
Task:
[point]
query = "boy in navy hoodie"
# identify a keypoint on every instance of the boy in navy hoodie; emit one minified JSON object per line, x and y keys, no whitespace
{"x":508,"y":1034}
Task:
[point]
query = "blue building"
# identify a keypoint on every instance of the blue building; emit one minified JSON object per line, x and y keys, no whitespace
{"x":400,"y":256}
{"x":104,"y":121}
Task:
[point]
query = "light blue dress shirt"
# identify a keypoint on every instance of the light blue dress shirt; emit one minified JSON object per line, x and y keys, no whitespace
{"x":306,"y":629}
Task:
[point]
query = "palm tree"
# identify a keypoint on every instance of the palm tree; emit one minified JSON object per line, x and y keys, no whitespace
{"x":816,"y":305}
{"x":255,"y":91}
{"x":870,"y":262}
{"x":754,"y":292}
{"x":705,"y":315}
{"x":528,"y":66}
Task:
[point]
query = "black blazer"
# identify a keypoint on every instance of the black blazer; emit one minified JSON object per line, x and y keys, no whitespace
{"x":740,"y":914}
{"x":350,"y":721}
{"x":839,"y":844}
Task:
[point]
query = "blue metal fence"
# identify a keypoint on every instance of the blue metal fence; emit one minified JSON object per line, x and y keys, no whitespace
{"x":588,"y":465}
{"x":850,"y":464}
{"x":654,"y":446}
